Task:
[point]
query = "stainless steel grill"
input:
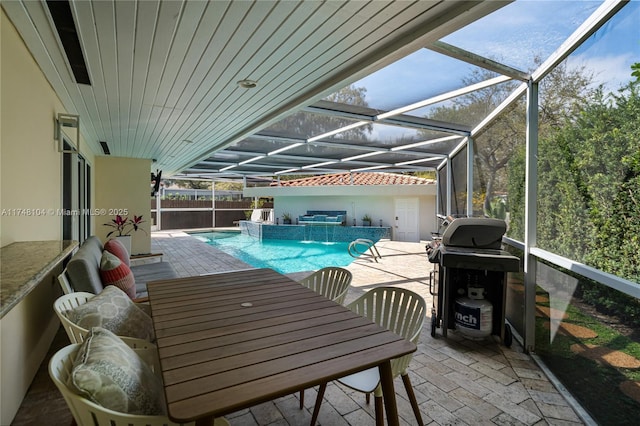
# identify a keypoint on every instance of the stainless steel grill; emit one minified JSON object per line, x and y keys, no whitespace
{"x":469,"y":255}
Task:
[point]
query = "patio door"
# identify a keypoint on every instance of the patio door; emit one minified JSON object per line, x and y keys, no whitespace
{"x":76,"y":195}
{"x":407,"y":224}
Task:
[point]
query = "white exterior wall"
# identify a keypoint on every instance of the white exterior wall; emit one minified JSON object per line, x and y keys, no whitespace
{"x":30,"y":178}
{"x":378,"y":201}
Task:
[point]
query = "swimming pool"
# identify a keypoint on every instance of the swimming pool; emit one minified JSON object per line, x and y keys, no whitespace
{"x":285,"y":256}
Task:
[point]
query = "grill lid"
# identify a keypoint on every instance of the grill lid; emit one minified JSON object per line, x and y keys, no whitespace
{"x":475,"y":232}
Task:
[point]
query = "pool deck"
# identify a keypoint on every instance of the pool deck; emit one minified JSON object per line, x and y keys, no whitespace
{"x":457,"y":381}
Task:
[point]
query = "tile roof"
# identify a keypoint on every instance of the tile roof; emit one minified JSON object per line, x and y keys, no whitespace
{"x":362,"y":178}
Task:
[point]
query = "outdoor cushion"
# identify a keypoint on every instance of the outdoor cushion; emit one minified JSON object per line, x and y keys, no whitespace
{"x":115,"y":247}
{"x":111,"y":374}
{"x":114,"y":272}
{"x":83,"y":268}
{"x":114,"y":310}
{"x":151,"y":272}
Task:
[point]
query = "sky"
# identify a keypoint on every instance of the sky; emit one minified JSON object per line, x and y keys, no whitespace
{"x":610,"y":53}
{"x":514,"y":35}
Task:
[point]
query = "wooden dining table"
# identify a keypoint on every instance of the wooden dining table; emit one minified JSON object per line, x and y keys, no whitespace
{"x":232,"y":340}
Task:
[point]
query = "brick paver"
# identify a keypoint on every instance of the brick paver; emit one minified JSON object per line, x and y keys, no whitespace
{"x":457,"y":381}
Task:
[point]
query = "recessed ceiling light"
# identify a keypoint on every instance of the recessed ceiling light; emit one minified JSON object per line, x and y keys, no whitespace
{"x":247,"y":84}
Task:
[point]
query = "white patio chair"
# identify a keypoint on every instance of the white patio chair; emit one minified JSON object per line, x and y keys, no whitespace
{"x":401,"y":311}
{"x":76,"y":333}
{"x":64,"y":283}
{"x":332,"y":282}
{"x":66,"y":303}
{"x":86,"y":412}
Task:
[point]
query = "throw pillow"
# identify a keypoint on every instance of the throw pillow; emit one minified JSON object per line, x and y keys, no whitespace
{"x":118,"y":249}
{"x":114,"y":272}
{"x":111,"y":374}
{"x":113,"y":309}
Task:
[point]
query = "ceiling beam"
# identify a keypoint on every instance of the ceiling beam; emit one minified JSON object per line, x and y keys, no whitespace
{"x":366,"y":148}
{"x":395,"y":119}
{"x":477,"y":60}
{"x":436,"y":22}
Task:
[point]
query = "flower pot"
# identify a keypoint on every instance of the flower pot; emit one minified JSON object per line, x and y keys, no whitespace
{"x":126,"y":242}
{"x":366,"y":223}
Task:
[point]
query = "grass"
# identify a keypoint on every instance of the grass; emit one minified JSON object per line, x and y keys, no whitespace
{"x":595,"y":385}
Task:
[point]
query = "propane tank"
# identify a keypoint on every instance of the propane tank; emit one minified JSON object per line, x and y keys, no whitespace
{"x":474,"y":314}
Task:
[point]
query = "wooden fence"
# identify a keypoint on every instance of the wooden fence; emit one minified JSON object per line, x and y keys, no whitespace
{"x":192,"y":214}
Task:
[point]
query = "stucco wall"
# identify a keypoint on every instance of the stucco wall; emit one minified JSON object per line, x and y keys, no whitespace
{"x":30,"y":181}
{"x":378,"y":201}
{"x":28,"y":152}
{"x":123,"y":186}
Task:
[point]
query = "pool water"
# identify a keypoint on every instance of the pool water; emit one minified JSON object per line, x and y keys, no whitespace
{"x":285,"y":256}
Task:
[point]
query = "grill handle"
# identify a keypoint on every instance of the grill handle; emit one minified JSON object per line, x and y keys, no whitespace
{"x":430,"y":283}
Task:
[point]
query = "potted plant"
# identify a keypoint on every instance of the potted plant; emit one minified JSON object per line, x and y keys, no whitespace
{"x":286,"y":218}
{"x":123,"y":227}
{"x":366,"y":220}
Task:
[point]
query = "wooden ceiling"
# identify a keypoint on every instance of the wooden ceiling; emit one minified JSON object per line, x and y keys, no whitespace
{"x":164,"y":73}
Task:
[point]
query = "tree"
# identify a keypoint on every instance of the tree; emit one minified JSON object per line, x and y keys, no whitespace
{"x":495,"y":146}
{"x":560,"y":93}
{"x":589,"y":185}
{"x":563,"y":93}
{"x":427,"y":174}
{"x":589,"y":195}
{"x":304,"y":124}
{"x":229,"y":186}
{"x":188,"y":184}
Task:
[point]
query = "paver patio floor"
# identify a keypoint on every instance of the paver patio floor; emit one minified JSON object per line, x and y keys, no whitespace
{"x":457,"y":381}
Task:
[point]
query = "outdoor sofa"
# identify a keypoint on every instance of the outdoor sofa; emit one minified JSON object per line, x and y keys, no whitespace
{"x":324,"y":216}
{"x":82,"y":272}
